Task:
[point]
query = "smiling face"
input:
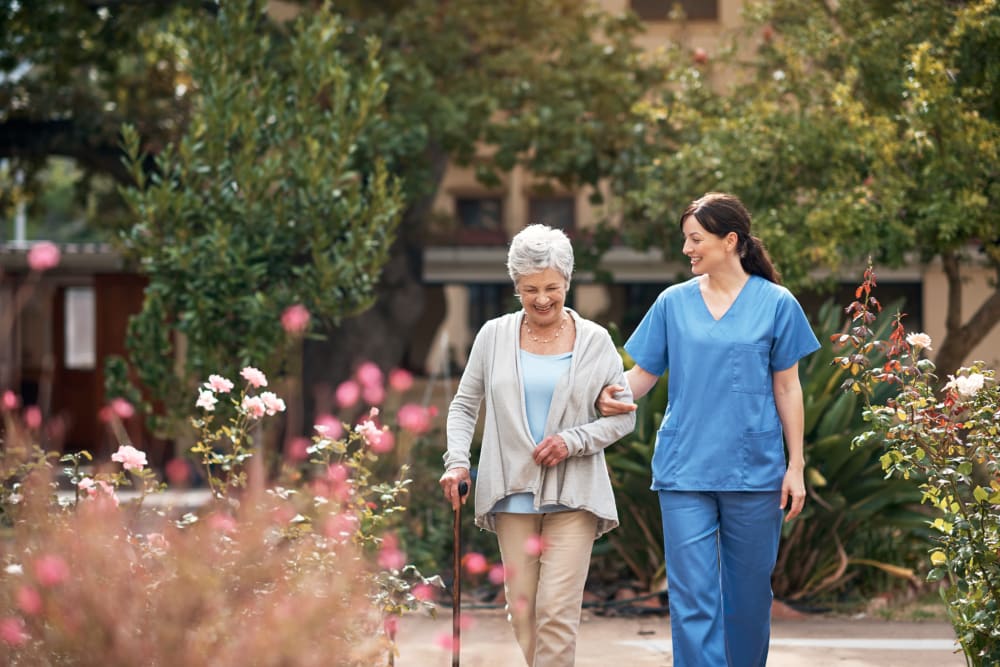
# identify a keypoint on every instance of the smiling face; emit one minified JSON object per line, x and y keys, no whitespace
{"x":542,"y":295}
{"x":707,"y":251}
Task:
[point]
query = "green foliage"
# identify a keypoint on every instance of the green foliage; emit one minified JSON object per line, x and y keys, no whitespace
{"x":850,"y":130}
{"x":946,"y":443}
{"x":263,"y":202}
{"x":856,"y":525}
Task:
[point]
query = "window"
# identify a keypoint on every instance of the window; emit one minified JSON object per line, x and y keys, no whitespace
{"x":659,"y":10}
{"x":558,"y":212}
{"x":81,"y":348}
{"x":480,"y":219}
{"x":489,"y":300}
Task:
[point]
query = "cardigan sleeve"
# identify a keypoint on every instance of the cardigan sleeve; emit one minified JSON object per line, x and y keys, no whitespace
{"x":463,"y":412}
{"x":593,"y":436}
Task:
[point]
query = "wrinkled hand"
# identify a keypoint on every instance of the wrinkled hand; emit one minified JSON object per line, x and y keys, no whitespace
{"x":607,"y":406}
{"x":449,"y":484}
{"x":551,"y":451}
{"x":793,"y":488}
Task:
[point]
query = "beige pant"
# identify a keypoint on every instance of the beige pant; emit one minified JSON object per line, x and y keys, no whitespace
{"x":545,"y":592}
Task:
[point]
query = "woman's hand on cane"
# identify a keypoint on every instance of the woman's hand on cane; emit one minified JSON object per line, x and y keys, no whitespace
{"x":449,"y":484}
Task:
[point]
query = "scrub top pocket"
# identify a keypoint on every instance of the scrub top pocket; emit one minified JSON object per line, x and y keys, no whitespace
{"x":750,"y":365}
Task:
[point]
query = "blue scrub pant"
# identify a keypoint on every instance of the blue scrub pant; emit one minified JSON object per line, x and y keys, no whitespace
{"x":720,"y":550}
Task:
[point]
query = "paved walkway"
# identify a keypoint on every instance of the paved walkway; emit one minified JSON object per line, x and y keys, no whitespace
{"x":487,"y":641}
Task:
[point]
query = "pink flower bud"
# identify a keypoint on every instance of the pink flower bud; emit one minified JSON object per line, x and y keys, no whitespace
{"x":475,"y":563}
{"x":347,"y":394}
{"x":400,"y":380}
{"x":295,"y":319}
{"x":43,"y":256}
{"x":51,"y":570}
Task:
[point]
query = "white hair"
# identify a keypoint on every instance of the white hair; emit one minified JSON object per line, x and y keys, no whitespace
{"x":539,"y":247}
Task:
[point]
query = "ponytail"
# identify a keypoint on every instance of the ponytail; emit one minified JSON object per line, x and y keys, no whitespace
{"x":756,"y":261}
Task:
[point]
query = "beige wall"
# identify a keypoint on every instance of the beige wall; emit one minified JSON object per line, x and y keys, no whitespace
{"x":975,"y":290}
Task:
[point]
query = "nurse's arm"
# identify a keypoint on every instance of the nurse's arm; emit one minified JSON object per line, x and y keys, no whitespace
{"x":639,"y":381}
{"x":788,"y":399}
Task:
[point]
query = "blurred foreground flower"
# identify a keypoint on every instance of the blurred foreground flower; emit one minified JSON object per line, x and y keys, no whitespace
{"x":43,"y":256}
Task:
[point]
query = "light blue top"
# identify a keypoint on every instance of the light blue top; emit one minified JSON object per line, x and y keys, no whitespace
{"x":541,"y":373}
{"x":721,"y":430}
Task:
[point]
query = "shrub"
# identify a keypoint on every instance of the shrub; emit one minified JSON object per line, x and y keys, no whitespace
{"x":301,"y":571}
{"x":944,"y":439}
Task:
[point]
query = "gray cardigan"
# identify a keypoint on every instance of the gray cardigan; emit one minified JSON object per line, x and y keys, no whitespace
{"x":505,"y":461}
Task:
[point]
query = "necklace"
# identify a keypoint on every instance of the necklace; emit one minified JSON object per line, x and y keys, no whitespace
{"x":545,"y":340}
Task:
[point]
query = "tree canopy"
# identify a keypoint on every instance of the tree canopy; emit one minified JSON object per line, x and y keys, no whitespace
{"x":856,"y":129}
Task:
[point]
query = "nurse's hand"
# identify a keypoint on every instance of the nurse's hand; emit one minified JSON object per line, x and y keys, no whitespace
{"x":607,"y":406}
{"x":449,"y":484}
{"x":793,"y":492}
{"x":551,"y":451}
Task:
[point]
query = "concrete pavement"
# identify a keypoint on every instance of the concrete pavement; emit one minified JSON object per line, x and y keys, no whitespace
{"x":644,"y":641}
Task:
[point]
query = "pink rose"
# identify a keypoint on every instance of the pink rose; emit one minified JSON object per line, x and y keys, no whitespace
{"x":222,"y":523}
{"x":475,"y":563}
{"x":255,"y":377}
{"x":43,"y":256}
{"x":178,"y":471}
{"x":206,"y":400}
{"x":328,"y":426}
{"x":347,"y":394}
{"x":400,"y":380}
{"x":130,"y":457}
{"x":295,"y":319}
{"x":296,"y":449}
{"x":423,"y":592}
{"x":386,"y":442}
{"x":254,"y":407}
{"x":272,"y":402}
{"x":373,"y":394}
{"x":219,"y":384}
{"x":10,"y":401}
{"x":414,"y":418}
{"x":51,"y":570}
{"x":33,"y":417}
{"x":369,"y":374}
{"x":12,"y":631}
{"x":390,"y":557}
{"x":122,"y":408}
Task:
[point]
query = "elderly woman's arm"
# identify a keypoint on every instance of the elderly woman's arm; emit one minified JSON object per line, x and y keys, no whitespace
{"x":463,"y":412}
{"x":591,"y":437}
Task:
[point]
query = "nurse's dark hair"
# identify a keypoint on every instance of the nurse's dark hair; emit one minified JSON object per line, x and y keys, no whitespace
{"x":720,"y":213}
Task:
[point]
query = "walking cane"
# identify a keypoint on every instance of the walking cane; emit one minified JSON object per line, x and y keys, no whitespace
{"x":456,"y":589}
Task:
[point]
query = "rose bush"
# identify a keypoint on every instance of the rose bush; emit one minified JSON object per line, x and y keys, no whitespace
{"x":946,"y":439}
{"x":302,"y":569}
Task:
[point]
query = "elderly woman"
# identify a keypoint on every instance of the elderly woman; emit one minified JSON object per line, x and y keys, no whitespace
{"x":542,"y":484}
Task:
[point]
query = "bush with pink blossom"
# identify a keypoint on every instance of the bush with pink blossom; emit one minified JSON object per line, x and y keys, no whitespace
{"x":297,"y":569}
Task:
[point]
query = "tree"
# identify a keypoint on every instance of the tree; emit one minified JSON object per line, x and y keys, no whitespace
{"x":856,"y":129}
{"x":263,"y":203}
{"x":71,"y":71}
{"x":548,"y":84}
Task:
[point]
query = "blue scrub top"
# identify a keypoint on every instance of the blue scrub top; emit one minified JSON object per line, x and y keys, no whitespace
{"x":721,"y":430}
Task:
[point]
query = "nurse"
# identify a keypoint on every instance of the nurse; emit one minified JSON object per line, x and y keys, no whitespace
{"x":731,"y":338}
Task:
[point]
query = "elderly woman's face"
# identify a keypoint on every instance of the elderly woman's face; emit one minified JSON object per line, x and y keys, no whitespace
{"x":543,"y":295}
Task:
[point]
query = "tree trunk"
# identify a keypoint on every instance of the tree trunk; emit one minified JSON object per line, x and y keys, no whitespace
{"x":961,"y":338}
{"x":385,"y":332}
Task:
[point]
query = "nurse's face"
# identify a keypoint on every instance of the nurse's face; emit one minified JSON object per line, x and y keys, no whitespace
{"x":707,"y":251}
{"x":542,"y":295}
